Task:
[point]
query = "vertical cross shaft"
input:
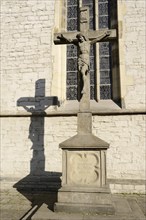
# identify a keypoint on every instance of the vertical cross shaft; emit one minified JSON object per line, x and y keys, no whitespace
{"x":84,"y":105}
{"x":84,"y":116}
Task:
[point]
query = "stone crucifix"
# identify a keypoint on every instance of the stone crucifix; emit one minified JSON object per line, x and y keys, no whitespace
{"x":83,"y":40}
{"x":84,"y":186}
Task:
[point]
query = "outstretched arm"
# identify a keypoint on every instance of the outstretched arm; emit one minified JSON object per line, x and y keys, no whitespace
{"x":100,"y":37}
{"x":64,"y":38}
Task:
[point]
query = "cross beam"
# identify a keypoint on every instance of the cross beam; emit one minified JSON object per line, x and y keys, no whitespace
{"x":39,"y":103}
{"x":90,"y":34}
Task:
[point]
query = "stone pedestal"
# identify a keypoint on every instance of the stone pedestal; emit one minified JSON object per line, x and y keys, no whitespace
{"x":84,"y":188}
{"x":84,"y":202}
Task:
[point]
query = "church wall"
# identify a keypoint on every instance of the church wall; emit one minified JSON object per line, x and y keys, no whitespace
{"x":27,"y":28}
{"x":131,"y":15}
{"x":22,"y":147}
{"x":27,"y":56}
{"x":28,"y":52}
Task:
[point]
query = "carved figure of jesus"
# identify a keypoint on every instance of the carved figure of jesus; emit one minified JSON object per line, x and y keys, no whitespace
{"x":83,"y":44}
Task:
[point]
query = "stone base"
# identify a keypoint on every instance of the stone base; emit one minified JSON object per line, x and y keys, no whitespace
{"x":84,"y":187}
{"x":82,"y":201}
{"x":84,"y":208}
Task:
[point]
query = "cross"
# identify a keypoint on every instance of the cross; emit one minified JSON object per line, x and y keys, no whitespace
{"x":83,"y":39}
{"x":37,"y":105}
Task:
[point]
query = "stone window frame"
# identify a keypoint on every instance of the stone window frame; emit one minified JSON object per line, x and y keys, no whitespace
{"x":59,"y":65}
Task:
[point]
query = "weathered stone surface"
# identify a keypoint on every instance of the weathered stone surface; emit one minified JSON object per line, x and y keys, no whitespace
{"x":84,"y":141}
{"x":14,"y":206}
{"x":84,"y":208}
{"x":84,"y":123}
{"x":78,"y":197}
{"x":92,"y":35}
{"x":123,"y":210}
{"x":84,"y":168}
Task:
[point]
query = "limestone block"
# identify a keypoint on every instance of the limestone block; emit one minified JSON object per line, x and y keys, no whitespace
{"x":84,"y":168}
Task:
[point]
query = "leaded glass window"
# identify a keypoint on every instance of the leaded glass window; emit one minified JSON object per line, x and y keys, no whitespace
{"x":104,"y":51}
{"x":72,"y":25}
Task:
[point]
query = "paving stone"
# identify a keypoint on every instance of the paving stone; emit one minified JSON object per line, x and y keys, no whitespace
{"x":128,"y":207}
{"x":141,"y":200}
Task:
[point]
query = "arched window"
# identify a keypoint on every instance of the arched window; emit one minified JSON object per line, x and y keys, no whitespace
{"x":104,"y":71}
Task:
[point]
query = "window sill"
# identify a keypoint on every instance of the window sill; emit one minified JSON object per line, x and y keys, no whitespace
{"x":103,"y":107}
{"x":71,"y":108}
{"x":96,"y":107}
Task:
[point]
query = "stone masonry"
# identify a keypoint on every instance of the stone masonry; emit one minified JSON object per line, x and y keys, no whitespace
{"x":27,"y":28}
{"x":125,"y":158}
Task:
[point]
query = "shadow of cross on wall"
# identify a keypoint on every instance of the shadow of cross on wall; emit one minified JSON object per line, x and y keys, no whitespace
{"x":36,"y":106}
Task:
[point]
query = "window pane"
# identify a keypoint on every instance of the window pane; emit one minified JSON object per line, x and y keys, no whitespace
{"x":103,"y":9}
{"x":72,"y":92}
{"x":72,"y":12}
{"x":104,"y":48}
{"x":105,"y":92}
{"x":104,"y":52}
{"x":72,"y":51}
{"x":72,"y":2}
{"x":72,"y":25}
{"x":72,"y":79}
{"x":72,"y":64}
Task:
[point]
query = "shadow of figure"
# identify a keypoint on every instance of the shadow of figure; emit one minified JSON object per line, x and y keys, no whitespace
{"x":39,"y":186}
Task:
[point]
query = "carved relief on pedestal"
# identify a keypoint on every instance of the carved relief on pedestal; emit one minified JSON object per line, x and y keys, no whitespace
{"x":84,"y":168}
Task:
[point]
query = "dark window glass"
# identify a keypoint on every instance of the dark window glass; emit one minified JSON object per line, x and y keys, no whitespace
{"x":104,"y":52}
{"x":72,"y":25}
